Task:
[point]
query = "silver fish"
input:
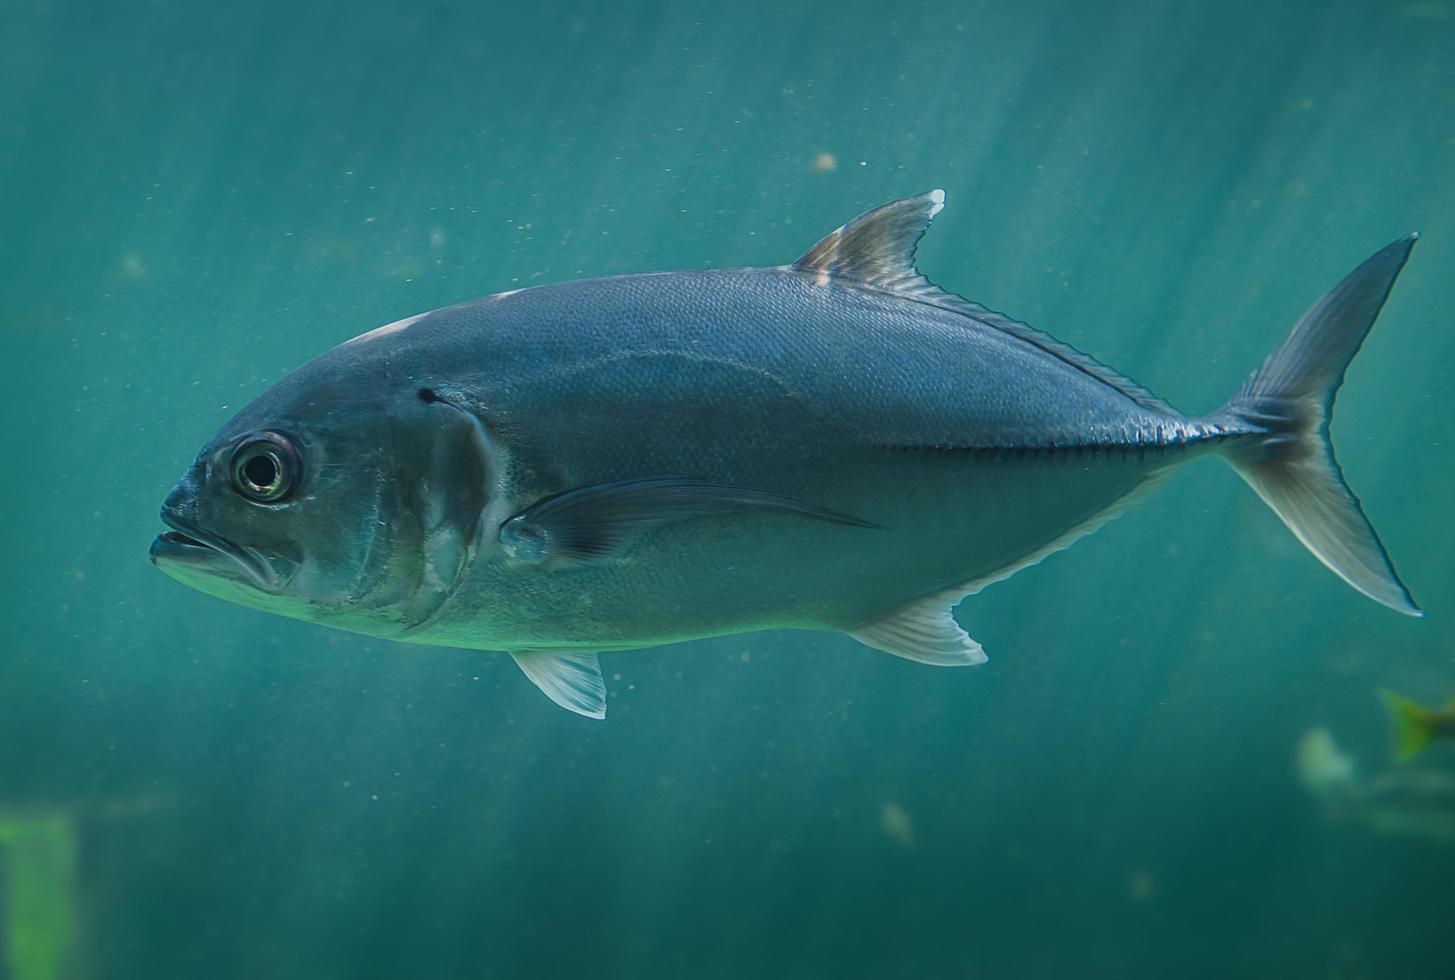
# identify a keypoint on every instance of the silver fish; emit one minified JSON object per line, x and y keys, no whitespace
{"x":835,"y":444}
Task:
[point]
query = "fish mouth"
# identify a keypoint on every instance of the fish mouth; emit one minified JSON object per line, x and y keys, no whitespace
{"x":190,"y":545}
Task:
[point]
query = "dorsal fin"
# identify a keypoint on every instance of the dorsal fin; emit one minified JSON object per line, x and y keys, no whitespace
{"x":876,"y":251}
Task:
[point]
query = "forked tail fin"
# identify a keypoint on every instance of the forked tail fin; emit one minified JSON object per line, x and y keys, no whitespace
{"x":1289,"y":400}
{"x":1414,"y":724}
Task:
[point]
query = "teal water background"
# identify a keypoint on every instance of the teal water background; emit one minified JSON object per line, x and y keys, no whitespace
{"x":196,"y":197}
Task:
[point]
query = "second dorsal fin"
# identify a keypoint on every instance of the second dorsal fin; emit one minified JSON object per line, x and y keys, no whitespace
{"x":877,"y":247}
{"x":876,"y":251}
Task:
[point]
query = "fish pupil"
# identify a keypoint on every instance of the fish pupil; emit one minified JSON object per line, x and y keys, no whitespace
{"x":261,"y":471}
{"x":427,"y":396}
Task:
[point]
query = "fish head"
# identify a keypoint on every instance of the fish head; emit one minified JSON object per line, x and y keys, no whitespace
{"x":347,"y":494}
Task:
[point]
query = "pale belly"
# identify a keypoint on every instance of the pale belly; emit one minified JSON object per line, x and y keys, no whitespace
{"x":947,"y":520}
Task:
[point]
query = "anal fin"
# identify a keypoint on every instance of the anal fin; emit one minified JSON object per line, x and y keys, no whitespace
{"x":571,"y":678}
{"x":924,"y":631}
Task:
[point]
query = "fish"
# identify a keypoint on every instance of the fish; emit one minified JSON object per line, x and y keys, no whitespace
{"x":1399,"y":802}
{"x":1417,"y":803}
{"x":627,"y":462}
{"x":1415,"y":725}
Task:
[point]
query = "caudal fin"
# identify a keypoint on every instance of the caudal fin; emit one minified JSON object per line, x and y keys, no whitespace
{"x":1289,"y":459}
{"x":1414,"y":724}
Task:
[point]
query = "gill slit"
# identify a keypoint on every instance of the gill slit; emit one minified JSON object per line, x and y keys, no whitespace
{"x":496,"y":511}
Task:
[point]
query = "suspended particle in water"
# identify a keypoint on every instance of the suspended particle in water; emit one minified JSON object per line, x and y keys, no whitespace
{"x":825,"y":162}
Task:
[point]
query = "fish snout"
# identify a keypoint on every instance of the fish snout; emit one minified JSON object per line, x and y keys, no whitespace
{"x":181,"y":499}
{"x":189,"y":543}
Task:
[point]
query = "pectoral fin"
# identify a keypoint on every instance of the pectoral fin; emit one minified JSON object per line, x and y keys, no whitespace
{"x":600,"y":520}
{"x":572,"y":679}
{"x":925,"y":632}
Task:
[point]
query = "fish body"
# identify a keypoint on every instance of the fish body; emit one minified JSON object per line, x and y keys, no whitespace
{"x":1412,"y":802}
{"x":626,"y":462}
{"x":965,"y":448}
{"x":1401,"y":801}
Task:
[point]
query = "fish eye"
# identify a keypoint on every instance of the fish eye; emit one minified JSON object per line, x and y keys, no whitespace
{"x":265,"y":467}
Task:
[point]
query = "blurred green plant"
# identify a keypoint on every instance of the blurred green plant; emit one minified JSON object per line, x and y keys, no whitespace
{"x":38,"y":920}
